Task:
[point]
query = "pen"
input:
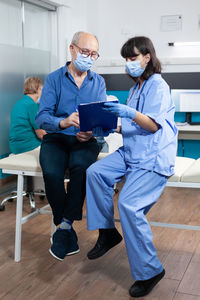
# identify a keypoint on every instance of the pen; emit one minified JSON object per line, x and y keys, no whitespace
{"x":76,"y":109}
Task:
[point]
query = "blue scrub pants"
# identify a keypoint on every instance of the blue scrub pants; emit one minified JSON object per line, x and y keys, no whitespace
{"x":142,"y":188}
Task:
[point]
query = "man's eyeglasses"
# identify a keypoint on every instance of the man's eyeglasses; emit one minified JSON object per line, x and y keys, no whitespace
{"x":86,"y":52}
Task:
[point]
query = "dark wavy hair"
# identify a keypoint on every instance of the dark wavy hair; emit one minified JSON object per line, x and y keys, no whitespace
{"x":144,"y":45}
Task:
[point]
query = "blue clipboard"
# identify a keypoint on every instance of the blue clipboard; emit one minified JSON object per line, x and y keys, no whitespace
{"x":92,"y":115}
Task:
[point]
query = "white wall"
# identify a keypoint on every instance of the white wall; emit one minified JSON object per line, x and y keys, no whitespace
{"x":114,"y":21}
{"x":71,"y":17}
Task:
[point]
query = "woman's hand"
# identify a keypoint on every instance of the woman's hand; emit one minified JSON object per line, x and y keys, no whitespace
{"x":125,"y":111}
{"x":40,"y":133}
{"x":120,"y":110}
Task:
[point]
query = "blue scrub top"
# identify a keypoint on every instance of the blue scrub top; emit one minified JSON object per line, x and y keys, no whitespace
{"x":22,"y":136}
{"x":61,"y":96}
{"x":143,"y":149}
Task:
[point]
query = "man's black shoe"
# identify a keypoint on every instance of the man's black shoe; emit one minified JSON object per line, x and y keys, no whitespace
{"x":107,"y":239}
{"x":143,"y":287}
{"x":64,"y":243}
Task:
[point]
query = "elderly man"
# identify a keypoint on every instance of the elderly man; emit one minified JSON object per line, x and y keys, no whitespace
{"x":65,"y":146}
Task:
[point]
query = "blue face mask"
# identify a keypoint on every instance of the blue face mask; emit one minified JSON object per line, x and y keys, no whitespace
{"x":134,"y":68}
{"x":83,"y":64}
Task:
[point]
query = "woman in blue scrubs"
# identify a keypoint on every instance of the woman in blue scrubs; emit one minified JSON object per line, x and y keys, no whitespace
{"x":146,"y":159}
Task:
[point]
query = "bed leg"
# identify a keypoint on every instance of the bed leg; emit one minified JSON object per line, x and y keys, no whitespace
{"x":18,"y":228}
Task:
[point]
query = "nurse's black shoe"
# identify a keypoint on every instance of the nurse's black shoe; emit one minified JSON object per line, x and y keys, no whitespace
{"x":143,"y":287}
{"x":107,"y":239}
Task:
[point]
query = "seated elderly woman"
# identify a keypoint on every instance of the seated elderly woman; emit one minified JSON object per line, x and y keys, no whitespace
{"x":25,"y":134}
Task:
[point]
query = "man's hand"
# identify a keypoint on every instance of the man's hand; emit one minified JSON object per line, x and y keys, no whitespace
{"x":84,"y":136}
{"x":99,"y":131}
{"x":72,"y":120}
{"x":119,"y":129}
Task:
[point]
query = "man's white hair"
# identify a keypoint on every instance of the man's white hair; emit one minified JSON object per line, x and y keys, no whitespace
{"x":77,"y":36}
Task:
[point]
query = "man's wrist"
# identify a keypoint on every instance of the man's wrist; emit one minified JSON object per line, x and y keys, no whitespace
{"x":61,"y":124}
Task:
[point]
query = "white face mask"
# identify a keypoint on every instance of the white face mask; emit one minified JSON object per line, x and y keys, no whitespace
{"x":83,"y":64}
{"x":134,"y":68}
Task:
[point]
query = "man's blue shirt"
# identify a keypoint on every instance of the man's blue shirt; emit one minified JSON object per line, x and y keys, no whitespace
{"x":61,"y":96}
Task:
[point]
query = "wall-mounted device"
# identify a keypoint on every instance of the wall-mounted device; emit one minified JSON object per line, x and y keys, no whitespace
{"x":187,"y":101}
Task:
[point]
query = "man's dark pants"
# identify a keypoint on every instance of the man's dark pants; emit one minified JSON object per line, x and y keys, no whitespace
{"x":58,"y":153}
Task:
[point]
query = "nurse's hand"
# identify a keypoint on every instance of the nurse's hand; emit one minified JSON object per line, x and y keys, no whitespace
{"x":120,"y":110}
{"x":99,"y":131}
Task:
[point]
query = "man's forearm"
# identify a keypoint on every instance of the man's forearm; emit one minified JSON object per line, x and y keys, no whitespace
{"x":48,"y":122}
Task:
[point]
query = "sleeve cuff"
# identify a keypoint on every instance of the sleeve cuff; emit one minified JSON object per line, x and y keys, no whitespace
{"x":57,"y":123}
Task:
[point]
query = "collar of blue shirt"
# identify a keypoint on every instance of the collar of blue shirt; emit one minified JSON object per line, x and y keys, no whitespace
{"x":65,"y":71}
